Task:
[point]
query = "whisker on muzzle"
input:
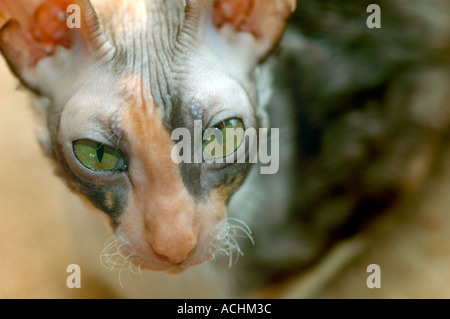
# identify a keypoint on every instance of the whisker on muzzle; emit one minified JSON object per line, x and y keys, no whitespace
{"x":228,"y":244}
{"x":113,"y":259}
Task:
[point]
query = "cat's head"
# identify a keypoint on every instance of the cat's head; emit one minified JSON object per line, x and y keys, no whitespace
{"x":118,"y":78}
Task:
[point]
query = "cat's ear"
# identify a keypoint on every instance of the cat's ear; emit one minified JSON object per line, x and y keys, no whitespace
{"x":251,"y":27}
{"x":31,"y":30}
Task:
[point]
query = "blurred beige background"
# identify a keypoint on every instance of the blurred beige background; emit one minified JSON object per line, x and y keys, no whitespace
{"x":410,"y":244}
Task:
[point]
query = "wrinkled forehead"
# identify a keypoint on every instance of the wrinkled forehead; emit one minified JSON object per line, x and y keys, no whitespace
{"x":172,"y":73}
{"x":177,"y":93}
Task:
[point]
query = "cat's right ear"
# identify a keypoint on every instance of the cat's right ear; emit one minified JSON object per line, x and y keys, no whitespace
{"x":33,"y":30}
{"x":249,"y":29}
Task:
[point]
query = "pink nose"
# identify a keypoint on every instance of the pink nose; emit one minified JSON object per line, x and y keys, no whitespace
{"x":173,"y":246}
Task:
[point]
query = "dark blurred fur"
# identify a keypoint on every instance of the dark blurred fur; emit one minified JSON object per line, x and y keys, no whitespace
{"x":372,"y":112}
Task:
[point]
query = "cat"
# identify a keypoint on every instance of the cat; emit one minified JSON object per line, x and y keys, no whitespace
{"x":158,"y":64}
{"x":350,"y":102}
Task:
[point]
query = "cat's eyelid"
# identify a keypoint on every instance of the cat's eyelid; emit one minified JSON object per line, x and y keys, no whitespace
{"x":223,"y":116}
{"x":217,"y":117}
{"x":106,"y":132}
{"x":100,"y":142}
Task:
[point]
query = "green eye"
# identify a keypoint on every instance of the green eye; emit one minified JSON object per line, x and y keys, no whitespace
{"x":98,"y":157}
{"x":224,"y":139}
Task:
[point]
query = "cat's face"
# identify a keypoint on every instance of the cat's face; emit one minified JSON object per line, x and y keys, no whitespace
{"x":163,"y":212}
{"x":115,"y":97}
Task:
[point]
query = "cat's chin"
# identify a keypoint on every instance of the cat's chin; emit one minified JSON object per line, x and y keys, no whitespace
{"x":168,"y":269}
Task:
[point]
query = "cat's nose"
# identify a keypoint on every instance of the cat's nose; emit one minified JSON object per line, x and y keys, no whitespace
{"x":173,"y":245}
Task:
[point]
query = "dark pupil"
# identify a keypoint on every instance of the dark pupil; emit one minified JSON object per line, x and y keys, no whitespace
{"x":100,"y":152}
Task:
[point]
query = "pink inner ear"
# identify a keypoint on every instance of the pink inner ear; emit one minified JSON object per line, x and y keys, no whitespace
{"x":19,"y":47}
{"x":258,"y":17}
{"x":34,"y":27}
{"x":2,"y":19}
{"x":264,"y":19}
{"x":237,"y":13}
{"x":50,"y":23}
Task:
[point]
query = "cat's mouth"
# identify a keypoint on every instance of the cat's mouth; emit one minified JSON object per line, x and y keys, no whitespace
{"x":120,"y":253}
{"x":124,"y":252}
{"x":152,"y":260}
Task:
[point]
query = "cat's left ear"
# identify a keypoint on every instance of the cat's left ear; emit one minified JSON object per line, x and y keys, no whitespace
{"x":250,"y":27}
{"x":32,"y":30}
